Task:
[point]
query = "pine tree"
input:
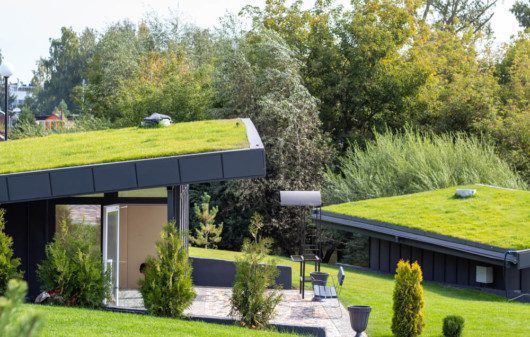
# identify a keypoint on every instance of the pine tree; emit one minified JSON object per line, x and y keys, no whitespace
{"x":208,"y":234}
{"x":408,"y":300}
{"x":8,"y":264}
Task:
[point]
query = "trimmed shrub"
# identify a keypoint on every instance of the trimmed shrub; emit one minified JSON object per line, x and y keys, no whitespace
{"x":453,"y":326}
{"x":73,"y":269}
{"x":8,"y":264}
{"x":407,"y":320}
{"x":251,"y":300}
{"x":15,"y":319}
{"x":167,"y":287}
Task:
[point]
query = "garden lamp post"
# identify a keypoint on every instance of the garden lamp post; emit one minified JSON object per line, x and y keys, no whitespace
{"x":5,"y":72}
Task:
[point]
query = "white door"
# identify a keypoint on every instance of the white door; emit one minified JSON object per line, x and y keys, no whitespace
{"x":111,"y":249}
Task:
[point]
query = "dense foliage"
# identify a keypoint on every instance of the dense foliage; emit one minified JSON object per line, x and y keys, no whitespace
{"x":251,"y":300}
{"x":73,"y":268}
{"x":8,"y":263}
{"x":166,"y":288}
{"x":453,"y":326}
{"x":408,"y":320}
{"x":15,"y":319}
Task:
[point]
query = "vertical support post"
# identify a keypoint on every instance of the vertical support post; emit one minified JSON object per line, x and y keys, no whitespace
{"x":6,"y":106}
{"x":178,"y":209}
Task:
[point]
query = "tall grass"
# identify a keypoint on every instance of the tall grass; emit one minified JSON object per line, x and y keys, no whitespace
{"x":409,"y":162}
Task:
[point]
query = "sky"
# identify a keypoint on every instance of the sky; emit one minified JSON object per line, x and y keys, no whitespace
{"x":26,"y":30}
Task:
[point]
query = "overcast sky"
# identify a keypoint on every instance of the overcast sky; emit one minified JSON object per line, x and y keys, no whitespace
{"x":27,"y":25}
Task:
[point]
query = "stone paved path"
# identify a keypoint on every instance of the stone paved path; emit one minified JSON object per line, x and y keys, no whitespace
{"x":293,"y":310}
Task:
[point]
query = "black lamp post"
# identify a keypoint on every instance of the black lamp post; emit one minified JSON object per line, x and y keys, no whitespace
{"x":6,"y":72}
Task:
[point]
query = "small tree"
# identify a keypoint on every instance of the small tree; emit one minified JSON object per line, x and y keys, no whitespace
{"x":16,"y":320}
{"x":167,"y":287}
{"x":208,"y":234}
{"x":408,"y":300}
{"x":73,"y":268}
{"x":250,"y":298}
{"x":8,"y":264}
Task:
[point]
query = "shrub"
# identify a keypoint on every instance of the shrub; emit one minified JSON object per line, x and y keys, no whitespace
{"x":167,"y":287}
{"x":250,"y":298}
{"x":407,"y":320}
{"x":453,"y":326}
{"x":208,"y":234}
{"x":15,"y":320}
{"x":8,"y":264}
{"x":73,"y":267}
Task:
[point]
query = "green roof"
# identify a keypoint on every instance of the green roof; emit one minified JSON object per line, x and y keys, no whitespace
{"x":494,"y":216}
{"x":113,"y":145}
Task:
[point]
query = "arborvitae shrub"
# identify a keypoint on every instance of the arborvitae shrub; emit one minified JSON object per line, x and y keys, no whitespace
{"x":8,"y":264}
{"x":73,"y":267}
{"x":167,"y":287}
{"x":453,"y":326}
{"x":15,"y":319}
{"x":251,"y":299}
{"x":407,"y":320}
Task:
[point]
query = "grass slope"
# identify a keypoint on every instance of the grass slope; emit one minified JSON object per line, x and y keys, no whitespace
{"x":83,"y":148}
{"x":73,"y":322}
{"x":494,"y":216}
{"x":485,"y":314}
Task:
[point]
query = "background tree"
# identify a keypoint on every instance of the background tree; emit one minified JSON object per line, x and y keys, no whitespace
{"x":208,"y":234}
{"x":521,"y":10}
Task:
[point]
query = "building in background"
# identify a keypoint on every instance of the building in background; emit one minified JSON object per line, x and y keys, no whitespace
{"x":21,"y":91}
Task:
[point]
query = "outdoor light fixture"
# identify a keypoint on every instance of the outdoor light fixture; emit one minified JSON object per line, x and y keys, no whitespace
{"x":6,"y":71}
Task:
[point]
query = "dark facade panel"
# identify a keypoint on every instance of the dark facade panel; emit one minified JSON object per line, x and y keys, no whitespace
{"x":428,"y":265}
{"x":406,"y":253}
{"x":3,"y":190}
{"x":374,"y":253}
{"x":394,"y":256}
{"x":243,"y":163}
{"x":384,"y":256}
{"x":158,"y":172}
{"x":29,"y":186}
{"x":462,"y":272}
{"x":450,"y":269}
{"x":71,"y":182}
{"x":525,"y":281}
{"x":439,"y":267}
{"x":115,"y":177}
{"x":415,"y":255}
{"x":201,"y":168}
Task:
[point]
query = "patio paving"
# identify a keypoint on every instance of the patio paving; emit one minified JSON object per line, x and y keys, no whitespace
{"x":293,"y":310}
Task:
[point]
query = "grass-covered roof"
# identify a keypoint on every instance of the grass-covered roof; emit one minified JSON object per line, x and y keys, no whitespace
{"x":113,"y":145}
{"x":494,"y":216}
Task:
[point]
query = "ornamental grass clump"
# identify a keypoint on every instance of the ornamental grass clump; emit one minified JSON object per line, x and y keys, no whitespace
{"x":167,"y":286}
{"x":255,"y":295}
{"x":407,"y":320}
{"x":72,"y":272}
{"x":8,"y":263}
{"x":453,"y":326}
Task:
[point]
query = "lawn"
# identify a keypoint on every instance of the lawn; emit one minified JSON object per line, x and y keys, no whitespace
{"x":494,"y":216}
{"x":83,"y":148}
{"x":73,"y":322}
{"x":485,"y":314}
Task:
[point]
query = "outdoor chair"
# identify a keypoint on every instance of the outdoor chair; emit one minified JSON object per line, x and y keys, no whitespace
{"x":322,"y":292}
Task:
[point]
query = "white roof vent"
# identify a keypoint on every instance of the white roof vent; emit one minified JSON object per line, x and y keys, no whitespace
{"x":465,"y":192}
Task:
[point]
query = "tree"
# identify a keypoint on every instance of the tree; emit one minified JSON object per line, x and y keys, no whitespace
{"x":521,"y":10}
{"x":208,"y":234}
{"x":260,"y":78}
{"x":167,"y":287}
{"x":408,"y":320}
{"x":8,"y":263}
{"x":15,"y":318}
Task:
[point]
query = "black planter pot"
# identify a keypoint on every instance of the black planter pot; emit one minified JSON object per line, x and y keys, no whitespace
{"x":359,"y":315}
{"x":319,"y":278}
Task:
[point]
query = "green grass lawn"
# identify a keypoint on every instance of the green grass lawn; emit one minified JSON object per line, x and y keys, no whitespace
{"x":485,"y":314}
{"x":494,"y":216}
{"x":73,"y":322}
{"x":83,"y":148}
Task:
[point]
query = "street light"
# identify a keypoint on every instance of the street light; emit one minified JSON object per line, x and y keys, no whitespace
{"x":6,"y":70}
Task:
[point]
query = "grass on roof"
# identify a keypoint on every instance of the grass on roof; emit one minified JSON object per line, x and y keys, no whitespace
{"x":494,"y":216}
{"x":483,"y":312}
{"x":84,"y":148}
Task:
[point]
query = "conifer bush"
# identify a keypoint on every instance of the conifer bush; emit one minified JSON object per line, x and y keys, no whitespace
{"x":453,"y":326}
{"x":167,"y":286}
{"x":407,"y":320}
{"x":208,"y":235}
{"x":15,"y":319}
{"x":8,"y":263}
{"x":73,"y":269}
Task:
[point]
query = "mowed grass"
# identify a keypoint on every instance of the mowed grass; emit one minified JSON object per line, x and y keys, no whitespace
{"x":73,"y":322}
{"x":494,"y":216}
{"x":485,"y":314}
{"x":113,"y":145}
